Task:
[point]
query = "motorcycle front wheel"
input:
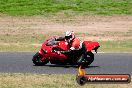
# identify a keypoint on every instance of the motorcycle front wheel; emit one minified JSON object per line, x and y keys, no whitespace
{"x":37,"y":60}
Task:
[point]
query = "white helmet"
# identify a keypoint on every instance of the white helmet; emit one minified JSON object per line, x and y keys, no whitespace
{"x":69,"y":35}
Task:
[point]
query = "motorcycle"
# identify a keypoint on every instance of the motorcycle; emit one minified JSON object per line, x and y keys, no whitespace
{"x":50,"y":48}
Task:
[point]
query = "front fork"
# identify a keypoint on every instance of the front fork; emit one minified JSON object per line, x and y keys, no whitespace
{"x":43,"y":54}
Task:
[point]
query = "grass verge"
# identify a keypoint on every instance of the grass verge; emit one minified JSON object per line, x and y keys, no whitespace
{"x":106,"y":46}
{"x":32,"y":43}
{"x":21,"y":80}
{"x":116,"y":46}
{"x":68,"y":7}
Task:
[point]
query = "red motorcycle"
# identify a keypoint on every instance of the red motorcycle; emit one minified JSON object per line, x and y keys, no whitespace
{"x":51,"y":47}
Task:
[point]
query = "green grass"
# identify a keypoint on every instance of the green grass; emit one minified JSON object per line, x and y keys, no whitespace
{"x":25,"y":80}
{"x":19,"y":43}
{"x":32,"y":42}
{"x":69,"y":7}
{"x":116,"y":46}
{"x":22,"y":42}
{"x":106,"y":46}
{"x":23,"y":47}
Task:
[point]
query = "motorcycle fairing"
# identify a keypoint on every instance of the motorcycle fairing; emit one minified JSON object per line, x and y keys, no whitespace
{"x":91,"y":45}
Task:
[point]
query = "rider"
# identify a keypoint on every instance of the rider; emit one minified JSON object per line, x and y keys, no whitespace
{"x":74,"y":42}
{"x":75,"y":45}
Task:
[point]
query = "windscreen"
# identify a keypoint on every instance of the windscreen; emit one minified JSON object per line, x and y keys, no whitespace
{"x":51,"y":42}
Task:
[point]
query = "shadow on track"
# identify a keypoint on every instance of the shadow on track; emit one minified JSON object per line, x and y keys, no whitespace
{"x":68,"y":66}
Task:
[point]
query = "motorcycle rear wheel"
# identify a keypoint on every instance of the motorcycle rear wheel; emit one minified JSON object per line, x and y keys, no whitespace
{"x":37,"y":60}
{"x":85,"y":61}
{"x":91,"y":57}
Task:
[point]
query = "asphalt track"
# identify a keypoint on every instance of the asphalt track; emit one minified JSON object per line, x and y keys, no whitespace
{"x":105,"y":63}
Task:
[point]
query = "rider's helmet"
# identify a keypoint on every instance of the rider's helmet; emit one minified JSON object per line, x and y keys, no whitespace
{"x":69,"y":36}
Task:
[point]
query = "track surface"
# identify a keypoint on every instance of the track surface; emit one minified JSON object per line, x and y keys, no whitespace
{"x":104,"y":63}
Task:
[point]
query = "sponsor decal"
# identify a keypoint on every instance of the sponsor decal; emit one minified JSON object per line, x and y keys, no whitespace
{"x":83,"y":78}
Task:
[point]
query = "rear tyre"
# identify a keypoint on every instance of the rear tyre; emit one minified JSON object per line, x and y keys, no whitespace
{"x":86,"y":59}
{"x":90,"y":57}
{"x":37,"y":60}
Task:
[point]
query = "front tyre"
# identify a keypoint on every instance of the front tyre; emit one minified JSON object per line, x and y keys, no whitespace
{"x":37,"y":60}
